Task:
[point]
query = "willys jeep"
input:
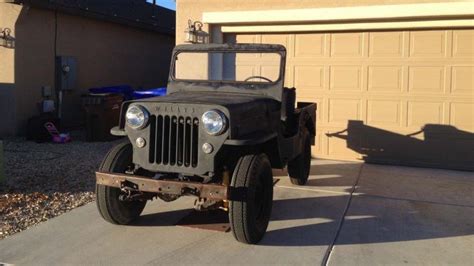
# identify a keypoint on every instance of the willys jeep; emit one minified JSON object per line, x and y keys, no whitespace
{"x":215,"y":135}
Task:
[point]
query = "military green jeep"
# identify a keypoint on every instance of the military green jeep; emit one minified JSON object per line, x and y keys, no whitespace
{"x":216,"y":136}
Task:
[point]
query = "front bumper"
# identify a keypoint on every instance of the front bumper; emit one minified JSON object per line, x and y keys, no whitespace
{"x":178,"y":188}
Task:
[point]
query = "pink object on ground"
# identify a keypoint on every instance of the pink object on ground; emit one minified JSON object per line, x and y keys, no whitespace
{"x":56,"y":136}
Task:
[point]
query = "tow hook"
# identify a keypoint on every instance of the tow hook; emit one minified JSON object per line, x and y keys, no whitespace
{"x":128,"y":185}
{"x":130,"y":191}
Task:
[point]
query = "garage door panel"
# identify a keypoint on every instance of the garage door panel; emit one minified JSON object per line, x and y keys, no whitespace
{"x":310,"y":94}
{"x":342,"y":110}
{"x":309,"y":77}
{"x":312,"y":45}
{"x":347,"y":45}
{"x":385,"y":78}
{"x":426,"y":79}
{"x":345,"y":78}
{"x":384,"y":113}
{"x":462,"y":116}
{"x":422,"y":113}
{"x":462,"y":78}
{"x":428,"y":44}
{"x":386,"y":44}
{"x":463,"y":43}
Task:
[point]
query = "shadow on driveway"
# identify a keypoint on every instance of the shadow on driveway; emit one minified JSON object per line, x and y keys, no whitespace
{"x":371,"y":218}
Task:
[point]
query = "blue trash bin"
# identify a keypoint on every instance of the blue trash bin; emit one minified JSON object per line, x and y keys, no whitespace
{"x":125,"y":90}
{"x":142,"y":94}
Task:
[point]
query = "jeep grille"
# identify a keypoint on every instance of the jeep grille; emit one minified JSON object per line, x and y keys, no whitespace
{"x":174,"y":140}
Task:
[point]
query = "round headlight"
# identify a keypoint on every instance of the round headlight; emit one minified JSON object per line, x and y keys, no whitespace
{"x":136,"y":117}
{"x":214,"y":122}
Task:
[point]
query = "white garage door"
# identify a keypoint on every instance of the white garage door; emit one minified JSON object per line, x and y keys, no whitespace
{"x":399,"y":97}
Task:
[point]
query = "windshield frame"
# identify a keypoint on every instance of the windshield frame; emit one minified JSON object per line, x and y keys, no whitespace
{"x":236,"y":49}
{"x":175,"y":55}
{"x":267,"y":89}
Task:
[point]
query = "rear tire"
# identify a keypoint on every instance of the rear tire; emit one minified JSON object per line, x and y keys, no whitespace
{"x":250,"y":210}
{"x":299,"y":167}
{"x":110,"y":207}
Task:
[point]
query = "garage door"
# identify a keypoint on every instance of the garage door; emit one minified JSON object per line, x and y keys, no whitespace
{"x":402,"y":97}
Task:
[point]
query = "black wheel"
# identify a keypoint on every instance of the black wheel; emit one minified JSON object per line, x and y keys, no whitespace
{"x":299,"y":167}
{"x":250,"y":210}
{"x":110,"y":207}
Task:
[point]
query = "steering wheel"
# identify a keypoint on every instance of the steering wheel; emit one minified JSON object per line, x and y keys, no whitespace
{"x":258,"y":77}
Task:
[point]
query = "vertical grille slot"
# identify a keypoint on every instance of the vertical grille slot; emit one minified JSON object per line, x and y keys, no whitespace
{"x":151,"y":152}
{"x":166,"y":139}
{"x":187,"y":142}
{"x":159,"y":139}
{"x":174,"y":140}
{"x":180,"y":145}
{"x":194,"y":142}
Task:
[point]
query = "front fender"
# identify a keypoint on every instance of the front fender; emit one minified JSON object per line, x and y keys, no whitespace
{"x":253,"y":141}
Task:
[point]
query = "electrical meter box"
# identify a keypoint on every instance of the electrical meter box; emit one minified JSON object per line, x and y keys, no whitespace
{"x":66,"y":73}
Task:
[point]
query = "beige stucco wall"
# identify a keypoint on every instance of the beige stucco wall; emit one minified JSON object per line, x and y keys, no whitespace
{"x":107,"y":54}
{"x":8,"y":16}
{"x":34,"y":61}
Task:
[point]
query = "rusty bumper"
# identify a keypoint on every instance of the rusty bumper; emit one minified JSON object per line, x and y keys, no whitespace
{"x":145,"y":184}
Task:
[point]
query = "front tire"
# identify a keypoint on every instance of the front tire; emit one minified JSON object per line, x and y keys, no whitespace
{"x":250,"y":210}
{"x":110,"y":207}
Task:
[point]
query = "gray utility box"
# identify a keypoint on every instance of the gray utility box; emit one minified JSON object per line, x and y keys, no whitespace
{"x":66,"y":73}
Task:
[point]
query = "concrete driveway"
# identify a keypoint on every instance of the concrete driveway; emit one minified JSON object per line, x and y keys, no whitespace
{"x":349,"y":213}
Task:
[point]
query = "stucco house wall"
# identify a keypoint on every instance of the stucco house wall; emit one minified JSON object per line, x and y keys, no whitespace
{"x":107,"y":54}
{"x":8,"y":16}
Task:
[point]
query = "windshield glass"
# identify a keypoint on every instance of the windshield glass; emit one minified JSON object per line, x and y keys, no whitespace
{"x":226,"y":66}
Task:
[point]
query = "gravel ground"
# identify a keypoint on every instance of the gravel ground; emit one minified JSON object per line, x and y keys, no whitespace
{"x":46,"y":180}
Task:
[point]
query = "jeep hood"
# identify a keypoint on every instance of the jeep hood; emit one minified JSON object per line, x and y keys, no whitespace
{"x":231,"y":101}
{"x":250,"y":114}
